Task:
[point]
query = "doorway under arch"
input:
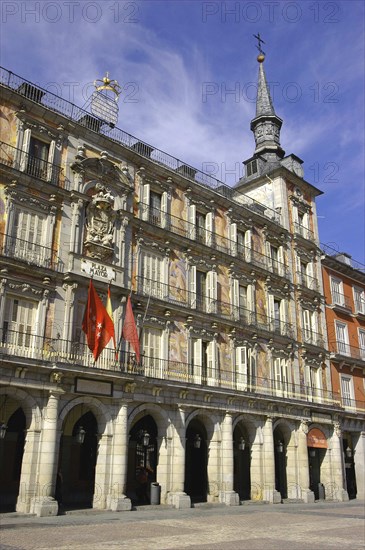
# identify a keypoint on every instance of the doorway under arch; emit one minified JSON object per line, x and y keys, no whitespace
{"x":11,"y":458}
{"x":242,"y":463}
{"x":281,"y":484}
{"x":142,"y":459}
{"x":77,"y":461}
{"x":196,"y":462}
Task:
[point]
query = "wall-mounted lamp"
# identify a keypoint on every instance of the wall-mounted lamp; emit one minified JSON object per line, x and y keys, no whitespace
{"x":241,"y":444}
{"x":146,"y":439}
{"x":279,"y":447}
{"x":348,"y":452}
{"x":80,"y":435}
{"x":197,"y":441}
{"x":3,"y":428}
{"x":312,"y":452}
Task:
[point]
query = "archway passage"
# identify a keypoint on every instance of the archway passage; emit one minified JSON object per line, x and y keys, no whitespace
{"x":77,"y":461}
{"x":317,"y":445}
{"x":196,"y":462}
{"x":242,"y":464}
{"x":11,"y":457}
{"x":142,"y":460}
{"x":280,"y":463}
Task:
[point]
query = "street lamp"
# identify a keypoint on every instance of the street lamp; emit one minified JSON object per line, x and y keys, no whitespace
{"x":241,"y":444}
{"x":80,"y":435}
{"x":197,"y":441}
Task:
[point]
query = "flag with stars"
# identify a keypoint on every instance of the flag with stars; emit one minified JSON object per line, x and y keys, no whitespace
{"x":97,"y":324}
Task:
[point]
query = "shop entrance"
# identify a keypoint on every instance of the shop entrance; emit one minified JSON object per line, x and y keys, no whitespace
{"x":280,"y":464}
{"x":11,"y":457}
{"x":196,"y":462}
{"x":142,"y":460}
{"x":317,"y":445}
{"x":77,"y":462}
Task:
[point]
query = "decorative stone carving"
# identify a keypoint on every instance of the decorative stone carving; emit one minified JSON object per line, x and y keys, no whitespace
{"x":100,"y":218}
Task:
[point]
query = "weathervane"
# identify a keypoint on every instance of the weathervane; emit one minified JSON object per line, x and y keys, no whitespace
{"x":260,"y":41}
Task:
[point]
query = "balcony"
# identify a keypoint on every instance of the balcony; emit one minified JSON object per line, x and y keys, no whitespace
{"x":360,"y":307}
{"x":313,"y":338}
{"x":21,"y":347}
{"x":342,"y":350}
{"x":183,"y":228}
{"x":308,"y":282}
{"x":33,"y":166}
{"x":341,"y":302}
{"x":304,"y":232}
{"x":29,"y":253}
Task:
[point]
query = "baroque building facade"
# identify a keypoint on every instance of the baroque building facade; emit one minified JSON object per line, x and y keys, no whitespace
{"x":232,"y":398}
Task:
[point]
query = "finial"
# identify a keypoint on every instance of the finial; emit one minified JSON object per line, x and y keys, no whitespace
{"x":261,"y":56}
{"x":107,"y":84}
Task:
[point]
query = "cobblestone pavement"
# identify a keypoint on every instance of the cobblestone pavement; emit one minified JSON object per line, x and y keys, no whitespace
{"x":320,"y":526}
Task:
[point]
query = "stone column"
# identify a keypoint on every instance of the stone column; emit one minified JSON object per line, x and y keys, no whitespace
{"x":337,"y":465}
{"x":270,"y":493}
{"x":177,"y":497}
{"x":359,"y":458}
{"x":44,"y":503}
{"x":117,"y":500}
{"x":227,"y":494}
{"x":28,"y":482}
{"x":303,"y":463}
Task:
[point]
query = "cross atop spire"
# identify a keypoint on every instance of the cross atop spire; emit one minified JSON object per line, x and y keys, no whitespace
{"x":259,"y":40}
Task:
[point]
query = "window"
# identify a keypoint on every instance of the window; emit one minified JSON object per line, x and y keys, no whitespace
{"x":19,"y":322}
{"x":314,"y":382}
{"x":200,"y":226}
{"x":275,"y":258}
{"x":154,"y":206}
{"x":301,"y":222}
{"x":362,"y":343}
{"x":37,"y":156}
{"x":203,"y":290}
{"x":347,"y":391}
{"x":245,"y":368}
{"x":337,"y":292}
{"x":28,"y":237}
{"x":281,"y":376}
{"x":342,"y":338}
{"x":277,"y":314}
{"x":152,"y":356}
{"x":251,"y":168}
{"x":242,"y":301}
{"x":203,"y":363}
{"x":359,"y":299}
{"x":310,"y":326}
{"x":240,"y":242}
{"x":152,"y":276}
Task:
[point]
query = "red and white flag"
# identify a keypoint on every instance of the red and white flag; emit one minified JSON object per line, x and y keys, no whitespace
{"x":97,"y":324}
{"x":130,"y":332}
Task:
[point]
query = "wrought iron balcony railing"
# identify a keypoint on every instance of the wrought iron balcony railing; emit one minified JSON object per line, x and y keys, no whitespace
{"x":186,"y":229}
{"x":84,"y":118}
{"x":68,"y":354}
{"x":29,"y":252}
{"x":359,"y":306}
{"x":31,"y":165}
{"x":303,"y":231}
{"x":339,"y":299}
{"x":345,"y":350}
{"x":207,"y":304}
{"x":307,"y":281}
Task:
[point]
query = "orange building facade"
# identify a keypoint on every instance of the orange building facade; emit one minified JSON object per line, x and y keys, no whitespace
{"x":344,"y":292}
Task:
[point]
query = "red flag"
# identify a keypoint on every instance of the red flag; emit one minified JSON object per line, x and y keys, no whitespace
{"x":129,"y":332}
{"x":109,"y":309}
{"x":97,"y":324}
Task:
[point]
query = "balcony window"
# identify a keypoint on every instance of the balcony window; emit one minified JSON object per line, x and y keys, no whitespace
{"x":200,"y":226}
{"x":280,"y":376}
{"x":310,"y":326}
{"x":362,"y":343}
{"x":152,"y":346}
{"x":347,"y":390}
{"x":359,"y":299}
{"x":275,"y":258}
{"x":152,"y":275}
{"x":342,"y":338}
{"x":28,"y":236}
{"x":154,"y":206}
{"x":245,"y":368}
{"x":37,"y":156}
{"x":338,"y":297}
{"x":19,"y":322}
{"x":314,"y":382}
{"x":277,"y":314}
{"x":203,"y":361}
{"x":203,"y":290}
{"x":240,"y":242}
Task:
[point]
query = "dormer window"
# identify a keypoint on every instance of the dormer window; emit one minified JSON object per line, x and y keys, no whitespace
{"x":251,"y":168}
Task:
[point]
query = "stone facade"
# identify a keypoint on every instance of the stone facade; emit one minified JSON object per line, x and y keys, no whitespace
{"x":232,"y":399}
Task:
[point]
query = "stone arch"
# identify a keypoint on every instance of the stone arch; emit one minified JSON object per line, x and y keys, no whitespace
{"x":252,"y":426}
{"x":212,"y":423}
{"x":159,"y":415}
{"x":288,"y":429}
{"x":29,"y":405}
{"x":97,"y":407}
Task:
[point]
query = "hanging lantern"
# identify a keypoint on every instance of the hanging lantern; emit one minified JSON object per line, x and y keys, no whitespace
{"x":348,"y":452}
{"x":312,"y":452}
{"x":146,"y":439}
{"x":197,"y":441}
{"x":80,"y":435}
{"x":3,"y":428}
{"x":241,"y":444}
{"x":280,"y":447}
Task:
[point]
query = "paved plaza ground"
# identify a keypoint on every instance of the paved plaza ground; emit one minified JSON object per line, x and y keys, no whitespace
{"x":321,"y":526}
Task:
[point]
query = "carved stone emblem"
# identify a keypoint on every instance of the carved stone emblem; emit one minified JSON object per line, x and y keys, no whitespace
{"x":100,"y":218}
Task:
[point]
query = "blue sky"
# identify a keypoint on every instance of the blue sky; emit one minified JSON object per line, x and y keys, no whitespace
{"x":188,"y":70}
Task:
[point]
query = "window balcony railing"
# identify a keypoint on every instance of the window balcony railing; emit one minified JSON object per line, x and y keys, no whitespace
{"x":206,"y":304}
{"x":308,"y":282}
{"x":313,"y":338}
{"x":31,"y":165}
{"x":345,"y":350}
{"x":15,"y":344}
{"x":360,"y":306}
{"x":59,"y":105}
{"x":29,"y":252}
{"x":186,"y":229}
{"x":303,"y":231}
{"x":341,"y":300}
